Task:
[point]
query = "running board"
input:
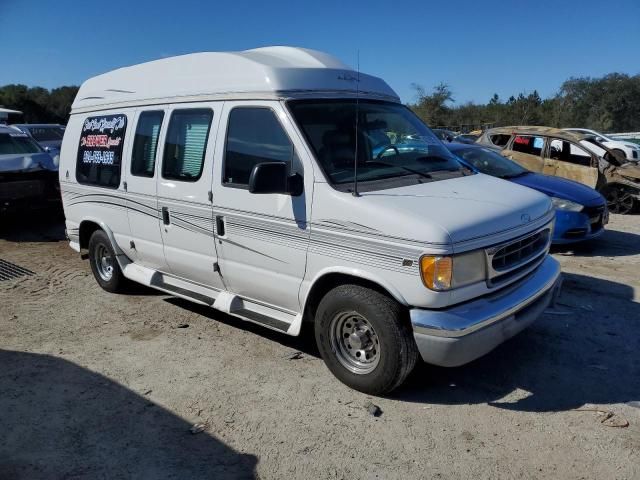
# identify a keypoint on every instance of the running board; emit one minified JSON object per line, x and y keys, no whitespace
{"x":262,"y":319}
{"x":170,"y":284}
{"x":245,"y":309}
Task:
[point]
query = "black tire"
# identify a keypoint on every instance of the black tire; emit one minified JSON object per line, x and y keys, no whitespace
{"x":619,"y":200}
{"x":99,"y":247}
{"x":397,"y":353}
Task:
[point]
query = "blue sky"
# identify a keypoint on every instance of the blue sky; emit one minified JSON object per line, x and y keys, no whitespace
{"x":477,"y":47}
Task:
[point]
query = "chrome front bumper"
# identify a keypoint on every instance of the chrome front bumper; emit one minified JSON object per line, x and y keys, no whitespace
{"x":460,"y":334}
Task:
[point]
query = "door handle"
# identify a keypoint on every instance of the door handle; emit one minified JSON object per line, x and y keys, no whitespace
{"x":165,"y":216}
{"x":220,"y":225}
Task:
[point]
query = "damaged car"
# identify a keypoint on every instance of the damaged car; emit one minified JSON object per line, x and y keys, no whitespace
{"x":576,"y":156}
{"x":28,"y":174}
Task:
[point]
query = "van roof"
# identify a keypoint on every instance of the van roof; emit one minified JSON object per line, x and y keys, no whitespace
{"x":269,"y":72}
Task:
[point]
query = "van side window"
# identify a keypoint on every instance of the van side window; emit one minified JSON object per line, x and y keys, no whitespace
{"x":528,"y":144}
{"x":186,"y":143}
{"x":254,"y":135}
{"x":145,"y":144}
{"x":100,"y":152}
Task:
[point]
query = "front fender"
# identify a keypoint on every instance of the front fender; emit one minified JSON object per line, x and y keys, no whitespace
{"x":307,"y":285}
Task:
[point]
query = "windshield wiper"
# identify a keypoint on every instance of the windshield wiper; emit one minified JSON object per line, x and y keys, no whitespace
{"x":406,"y":169}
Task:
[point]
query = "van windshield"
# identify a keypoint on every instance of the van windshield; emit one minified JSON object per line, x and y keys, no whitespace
{"x":394,"y":146}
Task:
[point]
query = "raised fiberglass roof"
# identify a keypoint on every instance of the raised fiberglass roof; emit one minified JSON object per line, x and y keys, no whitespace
{"x":268,"y":71}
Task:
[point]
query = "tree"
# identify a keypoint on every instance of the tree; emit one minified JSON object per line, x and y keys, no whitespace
{"x":38,"y":104}
{"x":609,"y":103}
{"x":433,"y":107}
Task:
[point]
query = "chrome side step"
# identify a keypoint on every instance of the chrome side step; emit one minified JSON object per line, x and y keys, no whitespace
{"x":245,"y":309}
{"x":262,"y":319}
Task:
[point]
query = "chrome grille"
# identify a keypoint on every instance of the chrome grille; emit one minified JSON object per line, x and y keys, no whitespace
{"x":518,"y":252}
{"x":516,"y":258}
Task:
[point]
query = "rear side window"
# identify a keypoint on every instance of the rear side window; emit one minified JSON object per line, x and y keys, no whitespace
{"x":500,"y":140}
{"x":186,"y":144}
{"x":254,"y":135}
{"x":528,"y":144}
{"x":145,"y":143}
{"x":100,"y":152}
{"x":569,"y":152}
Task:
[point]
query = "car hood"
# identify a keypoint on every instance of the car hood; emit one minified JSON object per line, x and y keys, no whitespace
{"x":56,"y":144}
{"x":631,"y":145}
{"x":27,"y":162}
{"x":441,"y":212}
{"x":560,"y":187}
{"x":629,"y":169}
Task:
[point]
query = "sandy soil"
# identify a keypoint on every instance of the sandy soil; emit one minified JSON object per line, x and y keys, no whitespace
{"x":95,"y":385}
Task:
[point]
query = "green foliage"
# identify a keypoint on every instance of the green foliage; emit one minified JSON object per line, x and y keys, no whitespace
{"x":609,"y":103}
{"x":38,"y":104}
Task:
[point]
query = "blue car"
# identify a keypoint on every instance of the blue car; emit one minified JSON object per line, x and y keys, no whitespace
{"x":581,"y":212}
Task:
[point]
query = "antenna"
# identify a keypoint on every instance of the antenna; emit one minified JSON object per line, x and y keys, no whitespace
{"x":355,"y":158}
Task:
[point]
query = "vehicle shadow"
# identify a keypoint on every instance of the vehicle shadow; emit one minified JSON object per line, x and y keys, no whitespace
{"x":60,"y":420}
{"x":46,"y":225}
{"x":583,"y":351}
{"x":612,"y":243}
{"x":305,"y":342}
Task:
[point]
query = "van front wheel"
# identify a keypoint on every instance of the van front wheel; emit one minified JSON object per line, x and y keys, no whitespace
{"x":104,"y":264}
{"x":365,"y":339}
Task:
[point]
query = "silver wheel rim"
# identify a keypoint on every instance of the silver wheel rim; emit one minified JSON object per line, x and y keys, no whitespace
{"x":103,"y":261}
{"x":355,"y":342}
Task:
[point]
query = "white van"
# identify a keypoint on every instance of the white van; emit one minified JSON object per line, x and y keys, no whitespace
{"x":280,"y":186}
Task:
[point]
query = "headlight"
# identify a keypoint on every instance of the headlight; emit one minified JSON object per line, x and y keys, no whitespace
{"x":442,"y":273}
{"x":562,"y":204}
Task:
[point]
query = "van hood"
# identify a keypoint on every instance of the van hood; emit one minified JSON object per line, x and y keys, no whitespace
{"x":446,"y":211}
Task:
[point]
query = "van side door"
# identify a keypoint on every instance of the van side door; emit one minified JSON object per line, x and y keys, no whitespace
{"x":527,"y":151}
{"x":142,"y":201}
{"x":262,"y":238}
{"x":184,"y":184}
{"x":573,"y":162}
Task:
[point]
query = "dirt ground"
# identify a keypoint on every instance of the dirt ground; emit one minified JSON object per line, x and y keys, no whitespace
{"x":96,"y":385}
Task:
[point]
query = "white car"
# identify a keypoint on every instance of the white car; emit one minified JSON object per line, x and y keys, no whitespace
{"x":628,"y":150}
{"x":248,"y":182}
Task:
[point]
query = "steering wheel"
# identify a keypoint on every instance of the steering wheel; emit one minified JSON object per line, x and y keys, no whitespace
{"x":387,"y":147}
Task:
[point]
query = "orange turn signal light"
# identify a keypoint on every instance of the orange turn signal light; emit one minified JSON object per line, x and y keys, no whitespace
{"x":436,"y":272}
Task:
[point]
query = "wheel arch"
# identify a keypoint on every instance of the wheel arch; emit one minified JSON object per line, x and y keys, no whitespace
{"x":90,"y":225}
{"x":327,"y":279}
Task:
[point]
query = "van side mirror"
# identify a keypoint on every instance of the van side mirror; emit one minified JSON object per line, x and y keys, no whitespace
{"x":273,"y":177}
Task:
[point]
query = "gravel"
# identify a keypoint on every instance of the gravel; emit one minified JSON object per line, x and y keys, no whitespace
{"x":96,"y":385}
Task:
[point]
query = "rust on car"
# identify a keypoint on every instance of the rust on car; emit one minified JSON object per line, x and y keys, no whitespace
{"x":576,"y":156}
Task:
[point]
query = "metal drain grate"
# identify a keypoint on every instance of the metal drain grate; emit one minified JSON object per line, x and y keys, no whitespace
{"x":9,"y":271}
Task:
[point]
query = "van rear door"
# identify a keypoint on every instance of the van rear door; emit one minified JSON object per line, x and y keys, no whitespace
{"x":184,"y":183}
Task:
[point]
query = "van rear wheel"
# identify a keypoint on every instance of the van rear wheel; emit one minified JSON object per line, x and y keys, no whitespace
{"x":104,"y":264}
{"x":365,"y":339}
